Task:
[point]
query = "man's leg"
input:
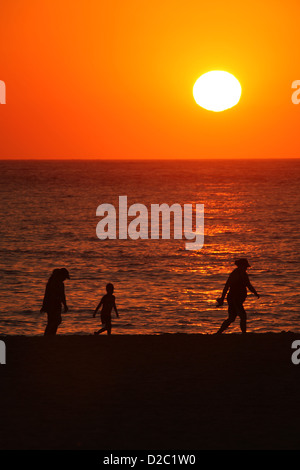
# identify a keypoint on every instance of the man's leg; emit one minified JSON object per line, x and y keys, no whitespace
{"x":229,"y":320}
{"x":243,"y":317}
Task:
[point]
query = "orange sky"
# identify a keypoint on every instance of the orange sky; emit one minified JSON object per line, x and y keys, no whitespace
{"x":99,"y":79}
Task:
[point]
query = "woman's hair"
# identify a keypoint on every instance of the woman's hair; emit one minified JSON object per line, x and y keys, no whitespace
{"x":55,"y":274}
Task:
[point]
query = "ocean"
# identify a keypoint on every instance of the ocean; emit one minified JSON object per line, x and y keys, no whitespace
{"x":48,"y":220}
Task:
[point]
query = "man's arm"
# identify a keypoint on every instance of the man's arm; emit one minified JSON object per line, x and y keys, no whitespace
{"x":251,"y":288}
{"x":225,"y":290}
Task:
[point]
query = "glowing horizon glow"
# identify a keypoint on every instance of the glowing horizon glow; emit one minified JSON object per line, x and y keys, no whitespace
{"x":115,"y":79}
{"x":217,"y":91}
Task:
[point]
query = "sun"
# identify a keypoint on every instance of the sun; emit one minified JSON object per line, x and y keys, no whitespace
{"x":217,"y":90}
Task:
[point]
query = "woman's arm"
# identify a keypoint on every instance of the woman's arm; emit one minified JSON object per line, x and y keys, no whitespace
{"x":63,"y":298}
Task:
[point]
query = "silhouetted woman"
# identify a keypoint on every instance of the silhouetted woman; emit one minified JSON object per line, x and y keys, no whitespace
{"x":237,"y":284}
{"x":54,"y":298}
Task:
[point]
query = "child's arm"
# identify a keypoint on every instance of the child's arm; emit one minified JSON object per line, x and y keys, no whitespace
{"x":115,"y":307}
{"x":97,"y":308}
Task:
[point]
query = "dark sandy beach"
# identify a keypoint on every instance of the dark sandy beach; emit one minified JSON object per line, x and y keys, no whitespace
{"x":150,"y":392}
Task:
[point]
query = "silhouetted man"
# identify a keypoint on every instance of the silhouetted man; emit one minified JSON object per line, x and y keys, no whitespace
{"x":54,"y":298}
{"x":237,"y":284}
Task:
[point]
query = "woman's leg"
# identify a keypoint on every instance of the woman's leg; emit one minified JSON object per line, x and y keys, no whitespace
{"x":54,"y":320}
{"x":51,"y":328}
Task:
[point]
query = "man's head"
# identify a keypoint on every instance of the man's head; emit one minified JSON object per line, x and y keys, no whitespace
{"x":242,"y":263}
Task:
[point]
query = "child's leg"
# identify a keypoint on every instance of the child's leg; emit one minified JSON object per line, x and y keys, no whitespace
{"x":101,"y":330}
{"x":108,"y":326}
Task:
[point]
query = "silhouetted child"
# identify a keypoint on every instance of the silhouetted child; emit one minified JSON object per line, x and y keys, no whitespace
{"x":108,"y":303}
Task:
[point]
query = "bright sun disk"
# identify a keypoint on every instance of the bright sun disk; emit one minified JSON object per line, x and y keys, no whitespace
{"x":217,"y":91}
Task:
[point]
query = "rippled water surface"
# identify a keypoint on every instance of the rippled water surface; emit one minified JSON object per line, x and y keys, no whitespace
{"x":48,"y":220}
